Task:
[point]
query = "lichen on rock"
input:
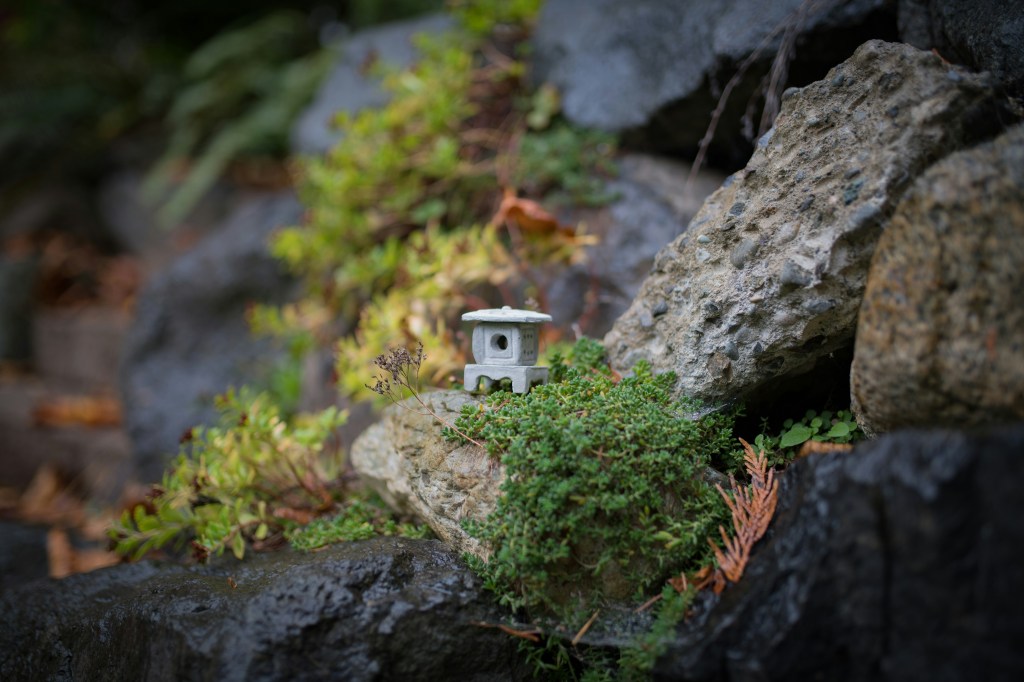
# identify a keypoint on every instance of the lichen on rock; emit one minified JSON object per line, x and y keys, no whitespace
{"x":940,"y":337}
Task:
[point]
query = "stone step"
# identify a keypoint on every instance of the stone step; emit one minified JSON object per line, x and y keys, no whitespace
{"x":79,"y":347}
{"x":97,"y":459}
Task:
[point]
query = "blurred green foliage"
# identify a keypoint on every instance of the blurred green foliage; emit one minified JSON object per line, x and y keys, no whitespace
{"x":402,"y":233}
{"x":77,"y":75}
{"x":239,"y":94}
{"x":243,"y":482}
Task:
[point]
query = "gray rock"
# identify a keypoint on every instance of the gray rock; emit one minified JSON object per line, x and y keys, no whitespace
{"x":383,"y":609}
{"x":132,"y":224}
{"x":650,"y":209}
{"x":444,"y":483}
{"x":350,"y":87}
{"x":940,"y":337}
{"x":795,"y":300}
{"x":897,"y":561}
{"x":190,"y":340}
{"x":622,"y":65}
{"x":987,"y":35}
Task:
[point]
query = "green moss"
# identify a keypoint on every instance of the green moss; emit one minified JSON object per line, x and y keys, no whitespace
{"x":603,"y":479}
{"x":360,"y":520}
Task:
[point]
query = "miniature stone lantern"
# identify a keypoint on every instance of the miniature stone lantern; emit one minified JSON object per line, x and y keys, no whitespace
{"x":505,"y":344}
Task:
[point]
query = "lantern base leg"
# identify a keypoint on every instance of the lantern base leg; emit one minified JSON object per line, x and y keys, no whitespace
{"x":522,"y":377}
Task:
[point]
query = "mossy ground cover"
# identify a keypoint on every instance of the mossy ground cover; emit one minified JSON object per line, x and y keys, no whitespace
{"x":606,"y":496}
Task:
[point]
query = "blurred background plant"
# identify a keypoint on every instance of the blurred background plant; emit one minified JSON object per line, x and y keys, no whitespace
{"x":76,"y":77}
{"x":238,"y":96}
{"x":436,"y":203}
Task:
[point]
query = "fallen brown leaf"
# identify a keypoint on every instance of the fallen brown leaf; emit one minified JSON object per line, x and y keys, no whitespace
{"x":93,"y":411}
{"x":528,"y":215}
{"x":752,"y":509}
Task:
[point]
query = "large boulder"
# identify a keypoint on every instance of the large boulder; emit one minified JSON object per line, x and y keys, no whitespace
{"x":660,"y":64}
{"x":940,"y":337}
{"x":383,"y":609}
{"x":352,"y":86}
{"x":190,"y":340}
{"x":768,"y":278}
{"x":900,"y":560}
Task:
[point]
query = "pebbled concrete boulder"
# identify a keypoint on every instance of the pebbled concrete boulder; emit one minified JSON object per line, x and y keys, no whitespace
{"x":900,"y":561}
{"x":351,"y":87}
{"x":383,"y":609}
{"x":190,"y":340}
{"x":768,"y":278}
{"x":659,"y":65}
{"x":940,"y":337}
{"x":406,"y":461}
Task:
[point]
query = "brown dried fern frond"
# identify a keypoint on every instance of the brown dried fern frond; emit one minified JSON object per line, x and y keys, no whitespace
{"x":752,"y":509}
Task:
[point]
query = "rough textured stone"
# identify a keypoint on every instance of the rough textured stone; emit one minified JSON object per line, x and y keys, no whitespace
{"x":940,"y":337}
{"x":350,"y":87}
{"x":384,"y":609}
{"x":768,"y":278}
{"x":623,"y":65}
{"x":404,"y":458}
{"x":987,"y":35}
{"x":190,"y":340}
{"x":650,"y":209}
{"x":901,"y":560}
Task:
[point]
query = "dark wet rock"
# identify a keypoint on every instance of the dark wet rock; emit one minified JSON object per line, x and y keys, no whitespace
{"x":650,"y":209}
{"x":23,"y":556}
{"x":781,"y":277}
{"x":190,"y":340}
{"x":351,"y":87}
{"x":987,"y":35}
{"x":658,"y":65}
{"x":940,"y":337}
{"x":901,"y":560}
{"x":383,"y":609}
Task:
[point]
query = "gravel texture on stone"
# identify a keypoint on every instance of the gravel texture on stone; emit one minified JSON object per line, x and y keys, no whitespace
{"x":769,"y":276}
{"x":940,"y":337}
{"x":404,"y":458}
{"x":382,"y":609}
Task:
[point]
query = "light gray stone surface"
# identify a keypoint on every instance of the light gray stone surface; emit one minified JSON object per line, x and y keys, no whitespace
{"x":940,"y":337}
{"x":769,"y":276}
{"x":406,"y":461}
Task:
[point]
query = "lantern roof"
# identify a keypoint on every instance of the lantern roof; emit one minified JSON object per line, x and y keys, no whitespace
{"x":506,"y":314}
